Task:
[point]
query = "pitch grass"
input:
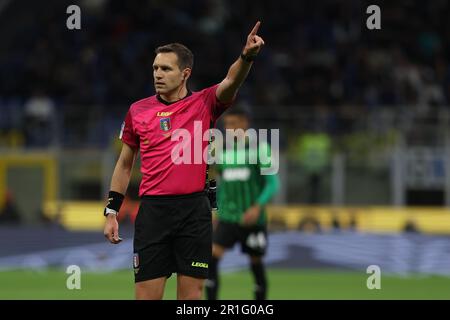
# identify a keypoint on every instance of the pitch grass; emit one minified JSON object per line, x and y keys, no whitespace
{"x":284,"y":284}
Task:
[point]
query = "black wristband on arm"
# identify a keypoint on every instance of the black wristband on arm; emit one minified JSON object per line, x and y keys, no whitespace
{"x":247,"y":58}
{"x":115,"y":200}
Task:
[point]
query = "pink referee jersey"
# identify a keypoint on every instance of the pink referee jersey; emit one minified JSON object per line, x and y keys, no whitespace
{"x":149,"y":125}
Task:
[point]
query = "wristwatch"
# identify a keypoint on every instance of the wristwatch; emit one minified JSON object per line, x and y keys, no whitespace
{"x":247,"y":58}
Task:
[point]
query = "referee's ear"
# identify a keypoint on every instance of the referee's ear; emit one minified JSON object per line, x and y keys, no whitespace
{"x":186,"y":74}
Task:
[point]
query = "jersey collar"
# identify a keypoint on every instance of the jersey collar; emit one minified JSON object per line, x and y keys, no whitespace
{"x":189,"y":93}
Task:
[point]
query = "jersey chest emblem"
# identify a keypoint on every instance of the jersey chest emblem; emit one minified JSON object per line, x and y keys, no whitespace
{"x":164,"y":124}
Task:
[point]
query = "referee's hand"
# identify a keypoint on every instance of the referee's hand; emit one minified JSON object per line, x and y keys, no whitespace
{"x":111,"y":230}
{"x":254,"y":42}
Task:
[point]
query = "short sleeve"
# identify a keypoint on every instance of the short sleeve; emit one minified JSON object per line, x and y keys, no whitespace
{"x":127,"y":134}
{"x":217,"y":108}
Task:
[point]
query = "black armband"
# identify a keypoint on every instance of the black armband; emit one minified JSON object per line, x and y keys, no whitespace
{"x":115,"y":200}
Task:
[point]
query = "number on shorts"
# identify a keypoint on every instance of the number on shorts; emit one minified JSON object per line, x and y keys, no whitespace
{"x":256,"y":240}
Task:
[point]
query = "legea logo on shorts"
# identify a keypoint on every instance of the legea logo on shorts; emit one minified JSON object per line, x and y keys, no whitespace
{"x":267,"y":155}
{"x":136,"y":262}
{"x":199,"y":264}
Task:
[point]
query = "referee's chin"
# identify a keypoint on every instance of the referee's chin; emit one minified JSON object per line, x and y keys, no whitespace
{"x":160,"y":91}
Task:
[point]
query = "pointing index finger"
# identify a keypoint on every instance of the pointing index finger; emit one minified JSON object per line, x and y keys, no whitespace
{"x":255,"y":28}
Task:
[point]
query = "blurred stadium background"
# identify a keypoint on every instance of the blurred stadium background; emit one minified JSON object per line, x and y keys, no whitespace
{"x":364,"y":133}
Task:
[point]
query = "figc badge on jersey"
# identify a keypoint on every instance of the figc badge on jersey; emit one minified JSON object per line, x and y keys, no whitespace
{"x":164,"y":124}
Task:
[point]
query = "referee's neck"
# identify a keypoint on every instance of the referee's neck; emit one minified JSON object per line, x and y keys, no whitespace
{"x":174,"y":97}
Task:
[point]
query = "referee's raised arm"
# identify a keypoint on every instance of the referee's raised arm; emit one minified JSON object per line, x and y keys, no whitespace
{"x":238,"y":71}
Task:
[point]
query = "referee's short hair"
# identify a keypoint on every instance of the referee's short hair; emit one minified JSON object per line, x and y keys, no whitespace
{"x":185,"y":56}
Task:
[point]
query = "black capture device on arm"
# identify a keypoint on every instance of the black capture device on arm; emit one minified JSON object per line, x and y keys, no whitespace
{"x":211,"y":186}
{"x":211,"y":191}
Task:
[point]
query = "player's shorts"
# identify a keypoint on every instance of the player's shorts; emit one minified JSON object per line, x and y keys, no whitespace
{"x":253,"y":239}
{"x":172,"y":234}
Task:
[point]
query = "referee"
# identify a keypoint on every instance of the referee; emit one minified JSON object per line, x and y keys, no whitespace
{"x":173,"y":228}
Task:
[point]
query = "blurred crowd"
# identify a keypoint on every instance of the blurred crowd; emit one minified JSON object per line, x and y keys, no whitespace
{"x":320,"y":61}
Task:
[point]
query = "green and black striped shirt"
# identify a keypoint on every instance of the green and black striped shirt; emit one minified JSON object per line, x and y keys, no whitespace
{"x":241,"y":184}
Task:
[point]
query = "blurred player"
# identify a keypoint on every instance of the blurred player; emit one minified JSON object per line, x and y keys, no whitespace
{"x":173,"y":228}
{"x":242,"y":195}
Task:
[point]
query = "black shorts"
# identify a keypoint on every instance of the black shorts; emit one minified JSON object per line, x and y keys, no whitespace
{"x":172,"y":234}
{"x":253,"y":239}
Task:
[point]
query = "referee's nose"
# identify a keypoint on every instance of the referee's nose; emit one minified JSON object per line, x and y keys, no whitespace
{"x":157,"y":74}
